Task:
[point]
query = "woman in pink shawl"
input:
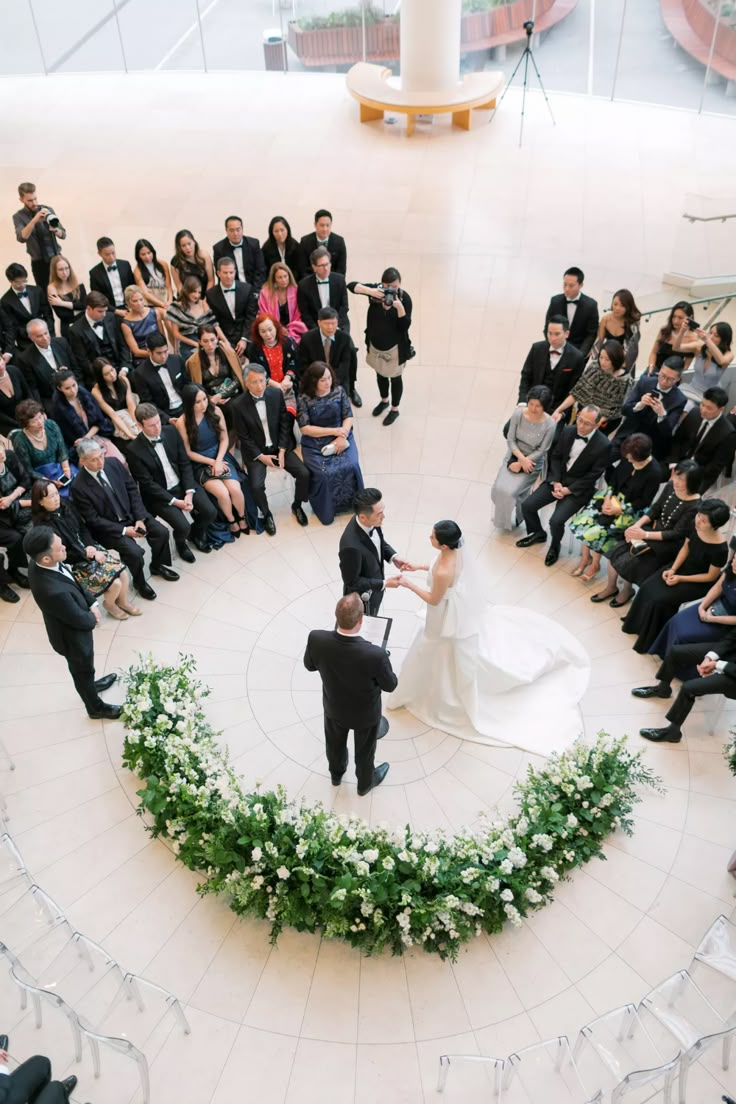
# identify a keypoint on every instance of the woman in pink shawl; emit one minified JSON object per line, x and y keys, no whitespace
{"x":278,"y":298}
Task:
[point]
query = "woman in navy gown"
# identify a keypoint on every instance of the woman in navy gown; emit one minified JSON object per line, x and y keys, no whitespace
{"x":709,"y":620}
{"x":328,"y":446}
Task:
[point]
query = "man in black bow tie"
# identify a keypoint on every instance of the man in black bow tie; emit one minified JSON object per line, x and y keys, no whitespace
{"x":324,"y":288}
{"x":580,"y":310}
{"x":111,"y":277}
{"x":21,"y":303}
{"x":364,"y":552}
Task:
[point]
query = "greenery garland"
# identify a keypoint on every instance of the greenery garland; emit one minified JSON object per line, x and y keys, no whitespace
{"x":304,"y":867}
{"x":729,"y":751}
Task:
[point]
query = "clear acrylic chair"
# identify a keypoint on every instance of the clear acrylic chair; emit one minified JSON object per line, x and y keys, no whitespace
{"x":620,"y":1043}
{"x":714,"y":966}
{"x":683,"y":1011}
{"x":13,"y":871}
{"x":545,"y":1071}
{"x":494,"y":1068}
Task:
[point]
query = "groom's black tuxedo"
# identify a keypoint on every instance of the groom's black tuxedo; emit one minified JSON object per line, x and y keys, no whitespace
{"x":361,"y":566}
{"x":353,"y":673}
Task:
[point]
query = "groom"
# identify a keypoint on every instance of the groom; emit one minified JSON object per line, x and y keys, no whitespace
{"x":363,"y":551}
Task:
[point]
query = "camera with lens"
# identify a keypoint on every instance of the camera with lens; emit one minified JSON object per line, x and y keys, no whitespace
{"x":390,"y":295}
{"x":53,"y":221}
{"x":529,"y":27}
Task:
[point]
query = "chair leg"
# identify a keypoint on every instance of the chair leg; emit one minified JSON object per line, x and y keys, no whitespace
{"x":178,"y":1011}
{"x":684,"y":1069}
{"x":443,"y":1072}
{"x":667,"y":1087}
{"x":145,"y":1078}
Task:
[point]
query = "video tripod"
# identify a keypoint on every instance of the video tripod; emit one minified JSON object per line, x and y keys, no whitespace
{"x":526,"y":57}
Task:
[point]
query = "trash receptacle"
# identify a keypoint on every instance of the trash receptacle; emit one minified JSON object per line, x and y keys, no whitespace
{"x":274,"y":50}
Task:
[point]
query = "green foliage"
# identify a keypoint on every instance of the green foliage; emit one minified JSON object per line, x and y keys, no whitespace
{"x":302,"y":866}
{"x":472,"y":6}
{"x":348,"y":17}
{"x":729,"y":752}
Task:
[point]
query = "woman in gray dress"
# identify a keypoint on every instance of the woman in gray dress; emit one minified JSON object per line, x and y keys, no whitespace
{"x":531,"y":432}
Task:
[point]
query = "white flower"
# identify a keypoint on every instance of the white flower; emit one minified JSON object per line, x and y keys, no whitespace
{"x":507,"y":895}
{"x":506,"y":867}
{"x":362,"y":867}
{"x":256,"y":854}
{"x":517,"y":857}
{"x":572,"y":821}
{"x":533,"y":896}
{"x":388,"y":864}
{"x":283,"y":873}
{"x":371,"y":855}
{"x":258,"y":881}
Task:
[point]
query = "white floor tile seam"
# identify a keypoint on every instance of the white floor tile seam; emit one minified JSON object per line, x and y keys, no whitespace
{"x":19,"y":833}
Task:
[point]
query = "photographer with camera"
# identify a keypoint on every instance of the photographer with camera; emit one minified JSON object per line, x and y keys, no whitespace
{"x":387,"y":337}
{"x":38,"y":227}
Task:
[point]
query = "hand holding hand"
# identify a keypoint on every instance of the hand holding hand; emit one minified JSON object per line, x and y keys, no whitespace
{"x":515,"y":466}
{"x":340,"y":444}
{"x":269,"y":461}
{"x":527,"y":465}
{"x":707,"y":667}
{"x":393,"y":582}
{"x":703,"y":613}
{"x":403,"y":565}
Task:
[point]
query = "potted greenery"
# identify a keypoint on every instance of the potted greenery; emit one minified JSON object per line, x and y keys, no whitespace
{"x":337,"y":38}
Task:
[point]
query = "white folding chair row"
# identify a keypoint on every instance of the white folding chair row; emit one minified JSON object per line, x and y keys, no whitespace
{"x":625,"y":1056}
{"x":545,"y":1071}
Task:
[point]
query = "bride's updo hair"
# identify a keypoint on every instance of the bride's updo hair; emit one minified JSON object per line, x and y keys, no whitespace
{"x":448,"y":533}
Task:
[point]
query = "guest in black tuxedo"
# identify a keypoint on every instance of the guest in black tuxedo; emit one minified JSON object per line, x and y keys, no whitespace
{"x":323,"y":236}
{"x":364,"y":551}
{"x":282,"y":246}
{"x":323,"y":288}
{"x":265,"y":432}
{"x":160,"y":380}
{"x":13,"y":391}
{"x":98,"y":334}
{"x":159,"y":462}
{"x":233,"y":304}
{"x":109,"y":501}
{"x":44,"y":356}
{"x":20,"y":303}
{"x":576,"y":460}
{"x":353,"y":673}
{"x":707,"y":437}
{"x":111,"y":277}
{"x":580,"y":310}
{"x":654,"y":407}
{"x":38,"y":227}
{"x":70,"y":613}
{"x":31,"y":1082}
{"x":245,"y":251}
{"x":554,"y":363}
{"x":328,"y":343}
{"x":15,"y":483}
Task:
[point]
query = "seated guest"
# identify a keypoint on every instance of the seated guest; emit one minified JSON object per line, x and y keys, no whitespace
{"x":702,"y":622}
{"x":159,"y":462}
{"x":580,"y":311}
{"x":322,"y":288}
{"x":632,"y":487}
{"x":663,"y":347}
{"x":138,"y":321}
{"x":15,"y":503}
{"x":161,"y":378}
{"x":328,"y":445}
{"x":620,"y":324}
{"x":716,"y":674}
{"x":79,"y":417}
{"x":13,"y":391}
{"x":324,"y":237}
{"x":707,"y":437}
{"x":694,"y":570}
{"x":576,"y":461}
{"x":554,"y":363}
{"x":272,"y":348}
{"x":654,"y":406}
{"x":186,"y":314}
{"x":67,"y":297}
{"x":529,"y":439}
{"x":97,"y":333}
{"x":711,"y":353}
{"x":264,"y":430}
{"x":111,"y":276}
{"x":191,"y":262}
{"x":152,"y":276}
{"x":20,"y":303}
{"x":204,"y":433}
{"x":233,"y":304}
{"x":45,"y":356}
{"x":603,"y":384}
{"x":278,"y":298}
{"x":282,"y":246}
{"x":655,"y":539}
{"x":114,"y":396}
{"x":109,"y":502}
{"x":328,"y":343}
{"x":245,"y":251}
{"x":31,"y":1081}
{"x":216,"y":367}
{"x":99,"y":570}
{"x":40,"y":447}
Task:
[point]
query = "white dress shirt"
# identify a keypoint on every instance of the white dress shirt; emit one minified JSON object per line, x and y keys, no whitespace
{"x":229,"y":294}
{"x":169,"y":474}
{"x":577,"y":448}
{"x":373,"y":536}
{"x":720,"y":663}
{"x":572,"y":306}
{"x":113,"y":276}
{"x":25,"y":301}
{"x":96,"y":326}
{"x":48,"y":355}
{"x":173,"y":395}
{"x":555,"y":354}
{"x":263,"y":415}
{"x":238,"y":255}
{"x":323,"y":288}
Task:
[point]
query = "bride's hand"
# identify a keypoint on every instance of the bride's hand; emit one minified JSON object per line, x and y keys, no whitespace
{"x":393,"y":581}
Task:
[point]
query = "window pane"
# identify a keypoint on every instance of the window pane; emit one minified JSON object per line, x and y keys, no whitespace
{"x":78,"y":36}
{"x":160,"y":35}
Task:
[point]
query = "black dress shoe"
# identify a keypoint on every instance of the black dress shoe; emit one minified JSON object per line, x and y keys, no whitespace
{"x":379,"y":774}
{"x":8,"y":594}
{"x":552,"y":556}
{"x":105,"y":713}
{"x":165,"y":572}
{"x":20,"y":579}
{"x":105,"y":682}
{"x":201,"y":544}
{"x":532,"y":538}
{"x":336,"y":779}
{"x":299,"y":514}
{"x":599,"y":597}
{"x":269,"y":525}
{"x":658,"y":691}
{"x":4,"y":1042}
{"x":669,"y":735}
{"x":391,"y":417}
{"x":186,"y":553}
{"x":379,"y":409}
{"x":382,"y":728}
{"x":69,"y":1084}
{"x":355,"y":398}
{"x":146,"y":591}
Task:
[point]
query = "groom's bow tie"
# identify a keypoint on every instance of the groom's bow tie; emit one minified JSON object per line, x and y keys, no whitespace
{"x":372,"y":530}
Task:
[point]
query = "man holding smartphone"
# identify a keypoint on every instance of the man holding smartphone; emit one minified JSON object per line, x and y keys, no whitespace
{"x":654,"y":407}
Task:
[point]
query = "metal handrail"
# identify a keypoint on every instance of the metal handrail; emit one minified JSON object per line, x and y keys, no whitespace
{"x":724,"y":299}
{"x":709,"y":218}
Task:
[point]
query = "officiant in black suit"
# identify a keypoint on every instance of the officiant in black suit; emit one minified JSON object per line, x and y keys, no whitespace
{"x":324,"y":288}
{"x":111,"y":276}
{"x":264,"y":430}
{"x":576,"y":461}
{"x":158,"y":461}
{"x":97,"y":333}
{"x":328,"y":343}
{"x":234,"y":304}
{"x":353,"y":673}
{"x":554,"y":363}
{"x":364,"y":551}
{"x":70,"y":614}
{"x":20,"y":303}
{"x":580,"y":310}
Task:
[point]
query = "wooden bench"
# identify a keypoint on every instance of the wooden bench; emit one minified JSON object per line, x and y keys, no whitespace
{"x":691,"y":25}
{"x":377,"y":91}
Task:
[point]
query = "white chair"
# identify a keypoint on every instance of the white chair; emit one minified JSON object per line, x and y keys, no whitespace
{"x":621,"y":1044}
{"x":495,"y":1068}
{"x":13,"y":871}
{"x":714,"y":967}
{"x":544,"y":1072}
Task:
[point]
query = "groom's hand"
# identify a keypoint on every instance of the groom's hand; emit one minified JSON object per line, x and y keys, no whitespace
{"x":403,"y":565}
{"x":393,"y":581}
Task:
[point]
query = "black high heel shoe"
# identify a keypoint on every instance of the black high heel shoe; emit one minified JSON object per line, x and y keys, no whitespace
{"x":243,"y":526}
{"x":235,"y":528}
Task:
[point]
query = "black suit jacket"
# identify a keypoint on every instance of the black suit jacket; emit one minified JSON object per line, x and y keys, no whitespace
{"x":335,"y":247}
{"x":14,"y":317}
{"x":147,"y":469}
{"x":343,"y":355}
{"x":309,"y":302}
{"x":100,"y":281}
{"x":8,"y":406}
{"x":713,"y":455}
{"x":646,"y":421}
{"x":246,"y":306}
{"x":583,"y":475}
{"x":293,"y":257}
{"x":249,"y":427}
{"x":584,"y":329}
{"x":65,"y":607}
{"x":87,"y":346}
{"x":254,"y":265}
{"x":353,"y":673}
{"x":38,"y":372}
{"x":149,"y":385}
{"x":537,"y":371}
{"x":95,"y":507}
{"x":360,"y":565}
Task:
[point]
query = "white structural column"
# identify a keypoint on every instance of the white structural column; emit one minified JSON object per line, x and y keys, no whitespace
{"x":430,"y":45}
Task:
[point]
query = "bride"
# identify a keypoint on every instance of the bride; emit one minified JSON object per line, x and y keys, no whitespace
{"x":493,"y":674}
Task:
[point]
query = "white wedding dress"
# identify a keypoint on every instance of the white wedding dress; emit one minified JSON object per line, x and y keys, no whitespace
{"x":493,"y":674}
